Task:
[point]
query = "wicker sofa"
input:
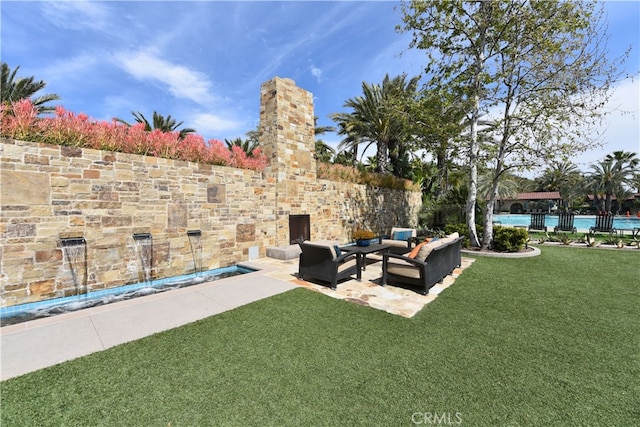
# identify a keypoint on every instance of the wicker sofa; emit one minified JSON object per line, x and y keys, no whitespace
{"x":432,"y":262}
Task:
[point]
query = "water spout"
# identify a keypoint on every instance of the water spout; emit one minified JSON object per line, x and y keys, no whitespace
{"x":196,"y":248}
{"x":144,"y":242}
{"x":74,"y":250}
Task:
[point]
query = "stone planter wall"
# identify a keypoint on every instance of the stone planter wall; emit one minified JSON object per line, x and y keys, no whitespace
{"x":52,"y":192}
{"x":49,"y":193}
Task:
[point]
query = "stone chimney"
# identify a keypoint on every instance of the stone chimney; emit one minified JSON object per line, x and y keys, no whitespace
{"x":288,"y":139}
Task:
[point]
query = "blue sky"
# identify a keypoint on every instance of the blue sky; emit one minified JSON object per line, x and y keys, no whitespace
{"x":203,"y":62}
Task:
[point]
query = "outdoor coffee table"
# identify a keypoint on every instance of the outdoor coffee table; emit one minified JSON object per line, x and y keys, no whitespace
{"x":363,"y":251}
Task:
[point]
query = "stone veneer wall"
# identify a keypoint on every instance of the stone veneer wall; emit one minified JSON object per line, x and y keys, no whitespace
{"x":50,"y":192}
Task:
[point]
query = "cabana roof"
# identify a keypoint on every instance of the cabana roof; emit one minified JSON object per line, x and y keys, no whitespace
{"x":538,"y":195}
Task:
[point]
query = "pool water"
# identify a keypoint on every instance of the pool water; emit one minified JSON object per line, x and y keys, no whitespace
{"x":581,"y":222}
{"x":47,"y":308}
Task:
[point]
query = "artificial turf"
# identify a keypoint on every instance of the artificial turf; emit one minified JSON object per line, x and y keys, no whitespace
{"x":549,"y":340}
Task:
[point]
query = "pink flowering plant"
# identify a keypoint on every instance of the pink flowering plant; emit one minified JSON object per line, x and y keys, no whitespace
{"x":20,"y":120}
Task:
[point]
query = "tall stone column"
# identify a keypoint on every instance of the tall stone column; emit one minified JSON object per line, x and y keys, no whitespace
{"x":288,"y":139}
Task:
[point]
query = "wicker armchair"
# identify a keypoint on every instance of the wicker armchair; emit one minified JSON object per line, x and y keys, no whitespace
{"x":324,"y":262}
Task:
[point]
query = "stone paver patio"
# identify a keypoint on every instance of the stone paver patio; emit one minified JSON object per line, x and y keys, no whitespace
{"x":368,"y":292}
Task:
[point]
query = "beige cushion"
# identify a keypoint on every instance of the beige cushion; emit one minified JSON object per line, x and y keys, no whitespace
{"x":450,"y":238}
{"x":395,"y":243}
{"x":325,"y":244}
{"x":428,"y":248}
{"x":403,"y":268}
{"x":346,"y":265}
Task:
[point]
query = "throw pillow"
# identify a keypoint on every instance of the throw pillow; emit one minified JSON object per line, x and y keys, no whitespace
{"x":414,"y":251}
{"x":426,"y":250}
{"x":336,"y":248}
{"x":402,"y":235}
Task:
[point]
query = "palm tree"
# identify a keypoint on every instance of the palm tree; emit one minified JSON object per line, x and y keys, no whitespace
{"x":629,"y":165}
{"x":565,"y":177}
{"x":345,"y":158}
{"x":378,"y":117}
{"x":324,"y":152}
{"x":507,"y":188}
{"x":319,"y":130}
{"x":635,"y":182}
{"x":437,"y":119}
{"x":626,"y":162}
{"x":247,"y":145}
{"x":14,"y":89}
{"x":161,"y":123}
{"x":347,"y":127}
{"x":425,"y":174}
{"x":610,"y":176}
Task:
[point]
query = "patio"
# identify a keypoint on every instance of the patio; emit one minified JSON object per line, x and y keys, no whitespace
{"x":368,"y":292}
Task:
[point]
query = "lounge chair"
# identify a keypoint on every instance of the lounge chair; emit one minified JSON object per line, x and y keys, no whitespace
{"x":604,"y":224}
{"x":565,"y":223}
{"x":537,"y":222}
{"x":400,"y":238}
{"x":431,"y":264}
{"x":324,"y":262}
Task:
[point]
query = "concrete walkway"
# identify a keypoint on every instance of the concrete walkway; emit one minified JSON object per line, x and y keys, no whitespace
{"x":40,"y":343}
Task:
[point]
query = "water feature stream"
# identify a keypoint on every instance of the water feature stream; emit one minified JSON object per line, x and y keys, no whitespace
{"x":31,"y":311}
{"x":74,"y":250}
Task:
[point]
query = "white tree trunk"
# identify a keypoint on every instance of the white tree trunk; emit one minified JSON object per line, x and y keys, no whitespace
{"x":487,"y":235}
{"x":473,"y":178}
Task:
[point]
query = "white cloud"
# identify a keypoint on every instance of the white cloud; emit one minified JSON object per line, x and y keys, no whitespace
{"x":73,"y":68}
{"x":181,"y":81}
{"x":316,"y":72}
{"x":621,"y":130}
{"x":76,"y":15}
{"x":212,"y":124}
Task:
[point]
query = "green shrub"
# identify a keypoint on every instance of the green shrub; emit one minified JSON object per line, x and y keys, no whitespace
{"x":463,"y":230}
{"x":509,"y":239}
{"x":459,"y":227}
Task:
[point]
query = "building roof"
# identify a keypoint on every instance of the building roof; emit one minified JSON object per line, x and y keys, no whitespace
{"x":538,"y":195}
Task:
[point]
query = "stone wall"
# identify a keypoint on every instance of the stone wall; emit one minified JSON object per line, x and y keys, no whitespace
{"x":50,"y":193}
{"x":54,"y":192}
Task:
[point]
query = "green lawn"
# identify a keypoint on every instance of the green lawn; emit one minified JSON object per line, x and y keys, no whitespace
{"x":550,"y":340}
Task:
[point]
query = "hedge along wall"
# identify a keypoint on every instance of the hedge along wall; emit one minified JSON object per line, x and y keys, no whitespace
{"x":49,"y":193}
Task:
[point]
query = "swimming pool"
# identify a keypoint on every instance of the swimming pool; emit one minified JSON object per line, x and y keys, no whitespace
{"x":581,"y":222}
{"x":51,"y":307}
